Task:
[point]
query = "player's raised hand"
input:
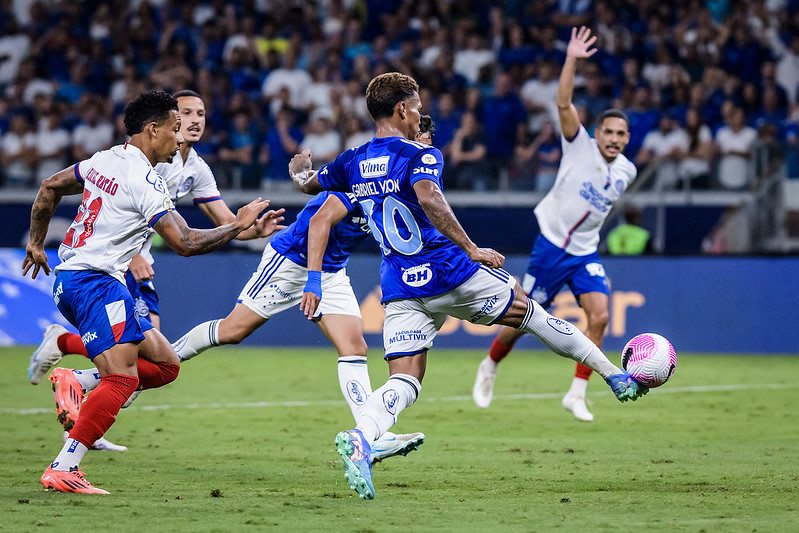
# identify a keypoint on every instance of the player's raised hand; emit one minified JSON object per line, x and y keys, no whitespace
{"x":36,"y":258}
{"x":488,"y":257}
{"x":270,"y":222}
{"x":580,"y":44}
{"x":248,"y":214}
{"x":141,"y":269}
{"x":300,"y":166}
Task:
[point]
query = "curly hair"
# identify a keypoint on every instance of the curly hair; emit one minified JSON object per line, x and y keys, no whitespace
{"x":149,"y":106}
{"x":387,"y":90}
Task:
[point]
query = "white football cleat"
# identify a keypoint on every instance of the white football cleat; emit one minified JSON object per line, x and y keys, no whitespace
{"x":47,"y":354}
{"x":131,"y":399}
{"x":483,"y":390}
{"x":102,"y":444}
{"x":577,"y":406}
{"x":391,"y":444}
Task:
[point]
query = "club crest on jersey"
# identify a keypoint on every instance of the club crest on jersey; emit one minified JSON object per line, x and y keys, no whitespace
{"x":186,"y":185}
{"x":619,"y":186}
{"x":417,"y":276}
{"x":374,"y":167}
{"x":595,"y":269}
{"x":429,"y":159}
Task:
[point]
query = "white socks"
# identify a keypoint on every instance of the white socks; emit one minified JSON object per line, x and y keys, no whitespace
{"x":88,"y":379}
{"x":386,"y":403}
{"x":353,"y":379}
{"x":70,"y":455}
{"x":199,"y":339}
{"x":579,"y":388}
{"x":565,"y":340}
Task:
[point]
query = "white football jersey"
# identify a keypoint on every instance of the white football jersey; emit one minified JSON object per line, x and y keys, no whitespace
{"x":572,"y":213}
{"x":123,"y":197}
{"x":193,"y":177}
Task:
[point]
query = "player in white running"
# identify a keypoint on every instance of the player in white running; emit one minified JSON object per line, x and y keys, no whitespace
{"x":431,"y":269}
{"x":187,"y":174}
{"x":124,"y":200}
{"x":592,"y":176}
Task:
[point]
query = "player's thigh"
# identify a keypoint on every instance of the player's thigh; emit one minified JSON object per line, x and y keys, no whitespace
{"x":345,"y":332}
{"x":409,"y":328}
{"x":118,"y":359}
{"x":412,"y":365}
{"x":482,"y":299}
{"x":239,"y":324}
{"x":100,"y":307}
{"x":156,"y":348}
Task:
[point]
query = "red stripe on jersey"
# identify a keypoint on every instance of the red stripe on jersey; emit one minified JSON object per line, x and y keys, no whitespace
{"x":574,"y":228}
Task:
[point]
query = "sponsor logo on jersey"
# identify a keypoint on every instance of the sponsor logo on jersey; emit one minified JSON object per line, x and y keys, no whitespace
{"x":58,"y":292}
{"x":487,"y":307}
{"x":601,"y":202}
{"x":88,"y":337}
{"x":429,"y":159}
{"x":374,"y":167}
{"x":408,"y":335}
{"x":595,"y":269}
{"x":390,"y":399}
{"x":425,"y":170}
{"x":561,"y":326}
{"x":417,"y":276}
{"x":356,"y":392}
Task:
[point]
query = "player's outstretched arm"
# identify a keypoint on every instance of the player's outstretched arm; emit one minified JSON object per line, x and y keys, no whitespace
{"x":438,"y":210}
{"x":189,"y":241}
{"x":219,"y":213}
{"x":51,"y":190}
{"x":579,"y":47}
{"x":331,"y":213}
{"x":301,"y":172}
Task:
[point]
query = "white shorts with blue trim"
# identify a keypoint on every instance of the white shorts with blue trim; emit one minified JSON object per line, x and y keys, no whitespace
{"x":278,"y":283}
{"x":411,"y":325}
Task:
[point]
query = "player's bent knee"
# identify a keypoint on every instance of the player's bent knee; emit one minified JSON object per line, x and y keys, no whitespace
{"x":169,"y":372}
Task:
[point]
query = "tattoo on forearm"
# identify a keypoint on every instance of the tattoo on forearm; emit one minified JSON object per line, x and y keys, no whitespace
{"x":42,"y":211}
{"x":204,"y":241}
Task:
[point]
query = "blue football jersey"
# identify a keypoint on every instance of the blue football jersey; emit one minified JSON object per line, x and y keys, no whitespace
{"x":418,"y":261}
{"x":292,"y":242}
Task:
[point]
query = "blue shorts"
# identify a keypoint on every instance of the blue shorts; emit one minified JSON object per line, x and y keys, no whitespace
{"x":551,"y":268}
{"x":100,"y":307}
{"x":144,"y":296}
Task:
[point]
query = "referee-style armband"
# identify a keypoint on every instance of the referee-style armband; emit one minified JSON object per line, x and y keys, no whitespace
{"x":314,"y":283}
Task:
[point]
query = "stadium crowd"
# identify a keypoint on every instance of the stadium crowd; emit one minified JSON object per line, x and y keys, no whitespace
{"x":702,"y":82}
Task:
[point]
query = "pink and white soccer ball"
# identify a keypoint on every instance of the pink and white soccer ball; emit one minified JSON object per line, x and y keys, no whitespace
{"x":650,"y":359}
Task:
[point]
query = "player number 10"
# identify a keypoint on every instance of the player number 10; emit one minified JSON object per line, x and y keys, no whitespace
{"x":391,"y":208}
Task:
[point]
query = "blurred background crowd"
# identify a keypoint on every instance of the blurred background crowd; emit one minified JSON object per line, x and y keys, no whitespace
{"x":704,"y":82}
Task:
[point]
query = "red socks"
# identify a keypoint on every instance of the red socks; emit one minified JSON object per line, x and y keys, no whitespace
{"x":582,"y":372}
{"x":154,"y":375}
{"x":498,"y":350}
{"x":100,"y":409}
{"x":70,"y":343}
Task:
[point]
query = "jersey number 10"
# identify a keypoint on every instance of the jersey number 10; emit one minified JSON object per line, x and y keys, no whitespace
{"x":393,"y":240}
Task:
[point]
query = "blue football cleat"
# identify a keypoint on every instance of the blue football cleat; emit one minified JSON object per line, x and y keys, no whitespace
{"x":356,"y":453}
{"x":391,"y":444}
{"x":625,"y":387}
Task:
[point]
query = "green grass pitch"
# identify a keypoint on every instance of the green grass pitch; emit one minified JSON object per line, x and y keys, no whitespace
{"x":244,"y":441}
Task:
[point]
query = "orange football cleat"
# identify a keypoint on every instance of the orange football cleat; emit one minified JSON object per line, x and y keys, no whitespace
{"x":68,"y":481}
{"x":68,"y":396}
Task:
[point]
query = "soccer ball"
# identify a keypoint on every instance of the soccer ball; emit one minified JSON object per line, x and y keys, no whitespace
{"x":650,"y":359}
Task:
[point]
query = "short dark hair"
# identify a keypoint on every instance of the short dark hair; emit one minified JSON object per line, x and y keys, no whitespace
{"x":149,"y":106}
{"x":426,"y":125}
{"x":612,"y":113}
{"x":184,"y":93}
{"x":387,"y":90}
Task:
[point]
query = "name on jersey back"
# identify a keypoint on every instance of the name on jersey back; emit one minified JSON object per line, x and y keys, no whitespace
{"x":108,"y":185}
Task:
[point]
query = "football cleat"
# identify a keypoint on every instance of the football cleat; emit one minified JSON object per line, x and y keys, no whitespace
{"x":68,"y":396}
{"x":391,"y":444}
{"x":68,"y":481}
{"x":47,"y":354}
{"x":356,"y":453}
{"x":131,"y":399}
{"x":625,"y":387}
{"x":577,"y":406}
{"x":483,"y":390}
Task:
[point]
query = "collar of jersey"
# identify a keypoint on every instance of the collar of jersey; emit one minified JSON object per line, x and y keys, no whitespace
{"x":135,"y":151}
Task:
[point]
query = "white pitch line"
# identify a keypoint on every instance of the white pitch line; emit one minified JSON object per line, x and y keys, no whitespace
{"x":325,"y":403}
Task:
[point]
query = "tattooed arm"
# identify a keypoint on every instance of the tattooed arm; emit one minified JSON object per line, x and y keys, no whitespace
{"x":51,"y":190}
{"x":189,"y":241}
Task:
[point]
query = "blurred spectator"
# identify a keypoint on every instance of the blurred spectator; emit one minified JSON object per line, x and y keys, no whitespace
{"x":539,"y":96}
{"x":592,"y":96}
{"x":502,"y":113}
{"x":787,"y":70}
{"x":93,"y":133}
{"x":14,"y":47}
{"x":323,"y":141}
{"x":447,"y":122}
{"x":694,"y":169}
{"x":469,"y":60}
{"x":467,"y":157}
{"x":629,"y":238}
{"x":50,"y":146}
{"x":289,"y":77}
{"x":735,"y":143}
{"x":237,"y":155}
{"x":665,"y":147}
{"x":535,"y":160}
{"x":282,"y":142}
{"x":792,"y":143}
{"x":15,"y":152}
{"x":357,"y":134}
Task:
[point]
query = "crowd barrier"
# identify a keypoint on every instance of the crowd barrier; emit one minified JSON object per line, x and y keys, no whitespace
{"x":739,"y":305}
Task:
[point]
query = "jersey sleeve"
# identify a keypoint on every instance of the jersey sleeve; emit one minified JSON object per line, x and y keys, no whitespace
{"x":581,"y":141}
{"x":204,"y":188}
{"x":332,"y":176}
{"x":348,"y":199}
{"x":81,"y":168}
{"x":428,"y":164}
{"x":152,"y":197}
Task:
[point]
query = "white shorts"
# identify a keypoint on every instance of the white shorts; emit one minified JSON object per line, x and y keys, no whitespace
{"x":411,"y":325}
{"x":278,"y":282}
